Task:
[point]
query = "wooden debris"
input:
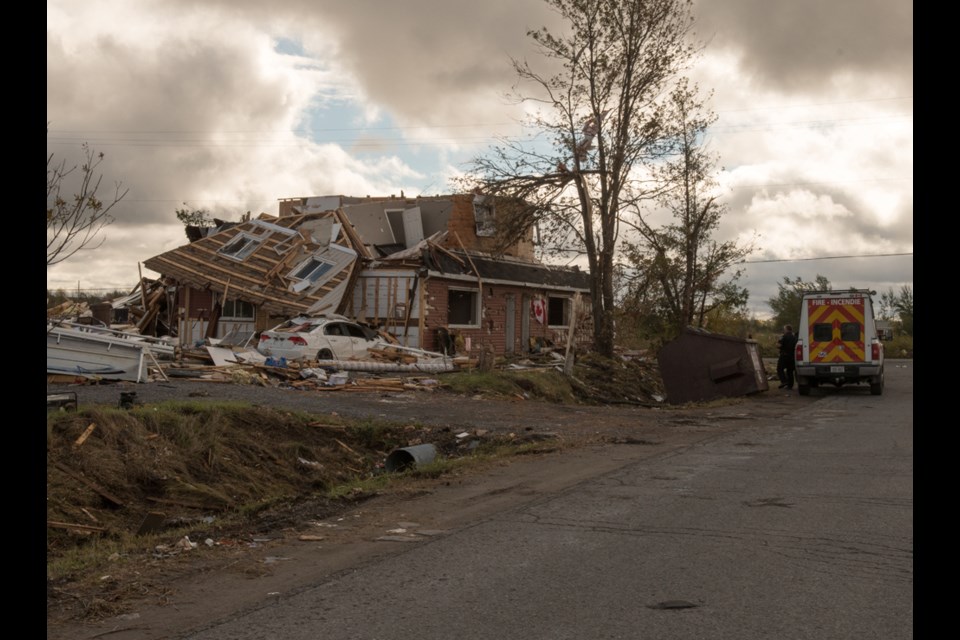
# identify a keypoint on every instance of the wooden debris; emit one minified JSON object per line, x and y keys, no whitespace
{"x":60,"y":378}
{"x":182,"y":503}
{"x":86,"y":434}
{"x":389,"y":337}
{"x":327,"y":426}
{"x":82,"y":528}
{"x":391,"y":355}
{"x":346,"y":447}
{"x":90,"y":484}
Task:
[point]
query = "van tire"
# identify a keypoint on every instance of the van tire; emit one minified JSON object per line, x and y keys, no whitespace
{"x":325,"y":354}
{"x":804,"y":389}
{"x":876,"y":388}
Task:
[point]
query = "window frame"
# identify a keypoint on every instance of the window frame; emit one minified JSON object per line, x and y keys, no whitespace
{"x":293,"y":275}
{"x":476,"y":301}
{"x":485,"y":224}
{"x":566,"y":301}
{"x":817,"y":332}
{"x":251,"y":244}
{"x":235,"y":318}
{"x":845,"y":332}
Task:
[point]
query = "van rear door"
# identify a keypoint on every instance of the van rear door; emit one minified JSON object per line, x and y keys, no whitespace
{"x":835,"y":330}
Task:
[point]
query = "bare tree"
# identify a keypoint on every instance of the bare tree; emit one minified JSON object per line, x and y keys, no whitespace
{"x":75,"y":218}
{"x":679,"y":266}
{"x":600,"y":120}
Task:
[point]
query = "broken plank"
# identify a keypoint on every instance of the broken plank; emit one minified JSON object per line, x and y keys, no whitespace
{"x":85,"y":528}
{"x":327,"y":426}
{"x":61,"y":378}
{"x":92,"y":485}
{"x":344,"y":445}
{"x":86,"y":434}
{"x":183,"y":503}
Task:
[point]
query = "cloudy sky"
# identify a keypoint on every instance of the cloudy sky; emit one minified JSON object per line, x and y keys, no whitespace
{"x":231,"y":105}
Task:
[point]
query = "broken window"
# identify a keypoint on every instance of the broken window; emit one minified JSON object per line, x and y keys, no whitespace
{"x":284,"y":245}
{"x":558,"y":312}
{"x":311,"y":270}
{"x":463,"y":308}
{"x":238,"y":310}
{"x":483,"y":215}
{"x":241,"y":246}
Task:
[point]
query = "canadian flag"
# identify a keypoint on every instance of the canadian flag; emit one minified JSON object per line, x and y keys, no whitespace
{"x":539,"y":309}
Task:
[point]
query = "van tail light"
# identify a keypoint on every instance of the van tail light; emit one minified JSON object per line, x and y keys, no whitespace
{"x":297,"y":340}
{"x":264,"y":337}
{"x":798,"y":352}
{"x":875,"y":350}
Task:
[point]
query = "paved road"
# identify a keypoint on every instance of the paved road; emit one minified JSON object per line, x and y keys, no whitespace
{"x":797,"y":528}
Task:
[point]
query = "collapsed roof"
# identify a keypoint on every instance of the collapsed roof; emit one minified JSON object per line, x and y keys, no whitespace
{"x":297,"y":265}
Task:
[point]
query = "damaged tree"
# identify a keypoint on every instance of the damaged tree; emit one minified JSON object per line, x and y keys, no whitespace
{"x":679,"y":268}
{"x":75,"y":220}
{"x":602,"y":116}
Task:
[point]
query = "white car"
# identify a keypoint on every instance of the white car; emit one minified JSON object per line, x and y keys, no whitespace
{"x":322,"y":338}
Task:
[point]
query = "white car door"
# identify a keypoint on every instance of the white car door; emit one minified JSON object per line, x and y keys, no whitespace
{"x":337,"y":334}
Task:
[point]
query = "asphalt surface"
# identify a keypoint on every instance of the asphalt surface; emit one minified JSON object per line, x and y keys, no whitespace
{"x":778,"y":517}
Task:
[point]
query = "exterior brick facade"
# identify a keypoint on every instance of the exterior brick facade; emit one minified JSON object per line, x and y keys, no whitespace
{"x":493,"y":329}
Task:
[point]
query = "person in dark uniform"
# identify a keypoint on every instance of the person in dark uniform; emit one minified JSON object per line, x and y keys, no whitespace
{"x":786,"y":365}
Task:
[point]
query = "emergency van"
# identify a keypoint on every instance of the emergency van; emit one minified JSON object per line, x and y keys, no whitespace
{"x":837,"y":341}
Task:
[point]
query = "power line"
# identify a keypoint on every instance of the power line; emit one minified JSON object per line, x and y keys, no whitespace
{"x":869,"y":255}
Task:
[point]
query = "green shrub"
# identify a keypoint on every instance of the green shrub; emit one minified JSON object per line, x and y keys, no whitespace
{"x":899,"y":347}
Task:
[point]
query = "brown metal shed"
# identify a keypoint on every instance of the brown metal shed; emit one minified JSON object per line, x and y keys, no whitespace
{"x":700,"y":366}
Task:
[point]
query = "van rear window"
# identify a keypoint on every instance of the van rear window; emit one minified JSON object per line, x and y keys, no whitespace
{"x":822,"y":332}
{"x":850,"y":331}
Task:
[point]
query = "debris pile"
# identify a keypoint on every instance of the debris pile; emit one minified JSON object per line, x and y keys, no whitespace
{"x":630,"y":378}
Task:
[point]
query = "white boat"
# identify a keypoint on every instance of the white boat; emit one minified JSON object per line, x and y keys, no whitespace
{"x":97,"y":352}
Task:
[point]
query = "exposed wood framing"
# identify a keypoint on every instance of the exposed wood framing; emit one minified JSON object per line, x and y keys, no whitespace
{"x":422,"y":305}
{"x":187,"y":324}
{"x":412,"y":291}
{"x":472,"y":266}
{"x":446,"y":252}
{"x":352,"y":235}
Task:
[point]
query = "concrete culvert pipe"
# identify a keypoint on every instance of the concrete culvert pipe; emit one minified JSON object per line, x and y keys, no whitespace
{"x":409,"y":457}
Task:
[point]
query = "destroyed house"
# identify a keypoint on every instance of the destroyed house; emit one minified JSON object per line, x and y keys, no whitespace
{"x":247,"y":277}
{"x":427,"y":270}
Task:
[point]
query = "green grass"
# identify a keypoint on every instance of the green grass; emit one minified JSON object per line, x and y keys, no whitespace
{"x":545,"y":384}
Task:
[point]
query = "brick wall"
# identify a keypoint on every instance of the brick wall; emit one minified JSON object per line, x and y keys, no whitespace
{"x":493,"y":317}
{"x":463,"y":224}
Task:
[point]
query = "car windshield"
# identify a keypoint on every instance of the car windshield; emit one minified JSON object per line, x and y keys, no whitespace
{"x":297,"y":325}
